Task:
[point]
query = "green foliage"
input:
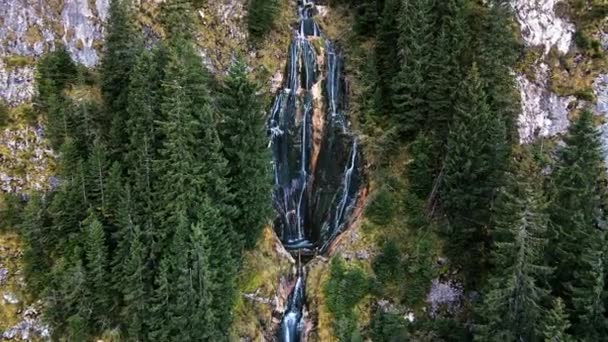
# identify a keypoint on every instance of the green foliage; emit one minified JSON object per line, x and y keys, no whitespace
{"x":389,"y":327}
{"x":4,"y":115}
{"x":11,"y":209}
{"x":122,"y":45}
{"x":421,"y":170}
{"x":260,"y":17}
{"x":244,"y":145}
{"x":555,"y":323}
{"x":577,"y":201}
{"x":380,"y":210}
{"x":416,"y":23}
{"x":475,"y":155}
{"x":386,"y":55}
{"x":512,"y":305}
{"x":54,"y":72}
{"x":387,"y":264}
{"x":346,"y":287}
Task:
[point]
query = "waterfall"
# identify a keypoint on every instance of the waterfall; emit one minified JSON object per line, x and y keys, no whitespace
{"x":316,"y":159}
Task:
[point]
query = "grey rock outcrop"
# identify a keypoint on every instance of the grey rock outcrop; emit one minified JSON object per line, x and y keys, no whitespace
{"x":543,"y":113}
{"x":540,"y":25}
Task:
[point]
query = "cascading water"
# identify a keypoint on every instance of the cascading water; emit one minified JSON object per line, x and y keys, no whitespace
{"x":316,"y":159}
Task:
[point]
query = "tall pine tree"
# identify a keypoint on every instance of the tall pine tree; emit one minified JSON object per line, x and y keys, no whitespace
{"x":473,"y":167}
{"x":576,"y":211}
{"x":244,"y":146}
{"x":512,"y":307}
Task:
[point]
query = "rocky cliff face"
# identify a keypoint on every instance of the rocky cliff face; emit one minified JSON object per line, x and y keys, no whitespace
{"x":543,"y":112}
{"x":560,"y":77}
{"x":31,"y":27}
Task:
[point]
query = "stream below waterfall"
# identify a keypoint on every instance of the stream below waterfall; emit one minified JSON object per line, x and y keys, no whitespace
{"x":316,"y":159}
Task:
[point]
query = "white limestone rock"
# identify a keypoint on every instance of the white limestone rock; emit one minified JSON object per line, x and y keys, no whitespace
{"x":16,"y":84}
{"x":544,"y":114}
{"x":83,"y":27}
{"x":540,"y":25}
{"x":600,"y":89}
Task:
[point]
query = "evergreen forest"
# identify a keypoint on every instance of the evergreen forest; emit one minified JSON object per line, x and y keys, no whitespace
{"x":164,"y":181}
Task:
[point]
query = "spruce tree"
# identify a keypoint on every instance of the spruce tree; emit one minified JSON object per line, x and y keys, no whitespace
{"x":245,"y":148}
{"x":122,"y":45}
{"x":448,"y":66}
{"x":422,"y":167}
{"x":555,"y":323}
{"x":97,"y":169}
{"x":34,"y":229}
{"x":133,"y":287}
{"x":576,"y":211}
{"x":496,"y":55}
{"x":512,"y":307}
{"x":260,"y":17}
{"x":144,"y":136}
{"x":97,"y":277}
{"x":473,"y":166}
{"x":159,"y":315}
{"x":416,"y":25}
{"x":386,"y":55}
{"x":54,"y":71}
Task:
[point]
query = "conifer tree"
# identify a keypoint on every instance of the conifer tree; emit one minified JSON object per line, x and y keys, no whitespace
{"x":144,"y":136}
{"x":386,"y":55}
{"x":179,"y":169}
{"x":159,"y":315}
{"x":422,"y":168}
{"x":122,"y":45}
{"x":97,"y":169}
{"x":34,"y":229}
{"x":496,"y":56}
{"x":54,"y":71}
{"x":512,"y":307}
{"x":448,"y":66}
{"x":417,"y":25}
{"x":203,"y":276}
{"x":475,"y":155}
{"x":133,"y":288}
{"x":97,"y":279}
{"x":260,"y":17}
{"x":555,"y":323}
{"x":245,"y":148}
{"x":222,"y":268}
{"x":576,"y":211}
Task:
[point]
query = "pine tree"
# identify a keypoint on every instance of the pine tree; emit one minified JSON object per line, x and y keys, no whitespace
{"x":576,"y":211}
{"x":144,"y":136}
{"x":512,"y":307}
{"x":178,"y":166}
{"x":97,"y":278}
{"x":97,"y":169}
{"x":448,"y":66}
{"x":473,"y":166}
{"x":260,"y":17}
{"x":222,"y":266}
{"x":496,"y":56}
{"x":180,"y":308}
{"x":34,"y":229}
{"x":159,"y":315}
{"x":555,"y":323}
{"x":134,"y":288}
{"x":122,"y":45}
{"x":245,"y":148}
{"x":54,"y":71}
{"x":386,"y":55}
{"x":203,"y":315}
{"x":422,"y":167}
{"x":366,"y":18}
{"x":416,"y":25}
